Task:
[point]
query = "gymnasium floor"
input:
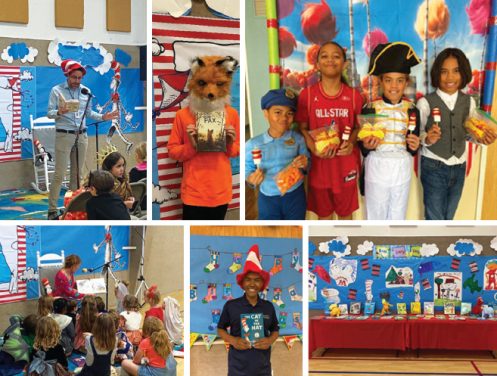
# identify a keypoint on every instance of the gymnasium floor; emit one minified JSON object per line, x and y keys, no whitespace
{"x":410,"y":363}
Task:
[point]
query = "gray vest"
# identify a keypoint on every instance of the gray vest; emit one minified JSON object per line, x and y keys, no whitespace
{"x":453,"y":140}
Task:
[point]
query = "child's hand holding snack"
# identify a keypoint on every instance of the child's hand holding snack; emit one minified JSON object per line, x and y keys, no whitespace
{"x":371,"y":142}
{"x":300,"y":161}
{"x":412,"y":141}
{"x":433,"y":135}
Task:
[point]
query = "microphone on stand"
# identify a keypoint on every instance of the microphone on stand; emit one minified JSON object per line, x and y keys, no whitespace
{"x":87,"y":270}
{"x":85,"y":91}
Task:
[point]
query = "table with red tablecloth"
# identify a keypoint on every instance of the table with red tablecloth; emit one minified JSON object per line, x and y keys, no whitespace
{"x":468,"y":334}
{"x":354,"y":333}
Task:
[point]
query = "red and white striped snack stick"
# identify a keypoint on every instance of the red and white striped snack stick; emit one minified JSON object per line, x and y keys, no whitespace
{"x":412,"y":122}
{"x":257,"y":156}
{"x":346,"y":133}
{"x":435,"y":113}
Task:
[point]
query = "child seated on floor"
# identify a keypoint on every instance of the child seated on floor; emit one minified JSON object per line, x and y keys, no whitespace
{"x":84,"y":321}
{"x":27,"y":328}
{"x":47,"y":340}
{"x":152,"y":297}
{"x":116,"y":164}
{"x":154,"y":355}
{"x":131,"y":319}
{"x":105,"y":204}
{"x":45,"y":305}
{"x":100,"y":347}
{"x":66,"y":326}
{"x":124,"y":346}
{"x":100,"y":304}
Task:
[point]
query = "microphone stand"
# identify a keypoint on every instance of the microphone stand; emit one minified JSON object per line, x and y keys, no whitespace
{"x":107,"y":269}
{"x":77,"y":139}
{"x":96,"y":137}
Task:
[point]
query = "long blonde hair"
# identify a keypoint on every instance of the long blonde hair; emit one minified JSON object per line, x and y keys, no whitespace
{"x":47,"y":334}
{"x":88,"y":313}
{"x":154,"y":328}
{"x":45,"y":305}
{"x":104,"y":332}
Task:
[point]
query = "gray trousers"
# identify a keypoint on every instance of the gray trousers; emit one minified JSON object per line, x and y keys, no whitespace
{"x":65,"y":152}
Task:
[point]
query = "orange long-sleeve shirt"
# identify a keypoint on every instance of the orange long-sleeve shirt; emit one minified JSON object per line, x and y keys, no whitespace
{"x":206,"y":175}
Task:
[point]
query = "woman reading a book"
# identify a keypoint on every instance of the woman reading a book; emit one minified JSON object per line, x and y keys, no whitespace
{"x":69,"y":105}
{"x":65,"y":283}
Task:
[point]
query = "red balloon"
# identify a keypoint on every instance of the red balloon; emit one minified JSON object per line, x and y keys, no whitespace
{"x":287,"y":42}
{"x":318,"y":23}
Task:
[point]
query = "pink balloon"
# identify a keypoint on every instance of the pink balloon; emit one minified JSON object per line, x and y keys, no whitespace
{"x":285,"y":8}
{"x":372,"y":39}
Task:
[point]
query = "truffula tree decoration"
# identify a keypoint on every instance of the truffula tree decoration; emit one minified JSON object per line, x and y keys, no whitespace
{"x":123,"y":121}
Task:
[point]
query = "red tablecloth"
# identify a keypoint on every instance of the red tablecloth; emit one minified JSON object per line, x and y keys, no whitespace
{"x":354,"y":334}
{"x":453,"y":334}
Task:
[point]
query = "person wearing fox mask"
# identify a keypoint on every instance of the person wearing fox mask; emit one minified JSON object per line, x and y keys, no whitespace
{"x":247,"y":357}
{"x":206,"y":187}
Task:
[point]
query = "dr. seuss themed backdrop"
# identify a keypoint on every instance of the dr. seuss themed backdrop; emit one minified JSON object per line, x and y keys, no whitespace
{"x":428,"y":26}
{"x":175,"y":43}
{"x":214,"y":264}
{"x":19,"y":246}
{"x":24,"y":91}
{"x":402,"y":269}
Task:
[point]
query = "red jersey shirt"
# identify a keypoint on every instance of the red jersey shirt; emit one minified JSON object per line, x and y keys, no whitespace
{"x":318,"y":110}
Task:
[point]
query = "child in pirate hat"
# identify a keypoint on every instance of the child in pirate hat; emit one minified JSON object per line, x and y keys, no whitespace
{"x":388,"y":161}
{"x":247,"y":357}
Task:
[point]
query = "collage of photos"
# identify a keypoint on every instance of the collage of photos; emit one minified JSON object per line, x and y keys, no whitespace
{"x":211,"y":136}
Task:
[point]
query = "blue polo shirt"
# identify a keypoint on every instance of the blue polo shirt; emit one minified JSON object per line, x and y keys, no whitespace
{"x":277,"y":153}
{"x":251,"y":362}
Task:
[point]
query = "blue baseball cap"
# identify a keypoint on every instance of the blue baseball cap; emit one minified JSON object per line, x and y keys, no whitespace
{"x":279,"y":97}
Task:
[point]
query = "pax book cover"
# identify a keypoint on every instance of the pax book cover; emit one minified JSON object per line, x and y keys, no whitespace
{"x":211,"y":135}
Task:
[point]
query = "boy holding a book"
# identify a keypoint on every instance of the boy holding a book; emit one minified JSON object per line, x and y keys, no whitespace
{"x":252,"y":321}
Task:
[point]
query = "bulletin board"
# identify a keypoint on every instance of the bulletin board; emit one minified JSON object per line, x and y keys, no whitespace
{"x":70,"y":13}
{"x":119,"y":15}
{"x":14,"y":11}
{"x":426,"y":269}
{"x":211,"y":286}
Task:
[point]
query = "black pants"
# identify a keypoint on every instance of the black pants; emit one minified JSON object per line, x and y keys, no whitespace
{"x":203,"y":212}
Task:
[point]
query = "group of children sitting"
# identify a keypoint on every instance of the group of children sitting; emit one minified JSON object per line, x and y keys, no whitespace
{"x":110,"y":188}
{"x":59,"y":330}
{"x":328,"y":111}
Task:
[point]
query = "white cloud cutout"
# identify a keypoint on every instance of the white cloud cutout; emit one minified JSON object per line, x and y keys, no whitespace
{"x":161,"y":195}
{"x":428,"y":250}
{"x":55,"y":58}
{"x":28,"y":275}
{"x":23,"y":134}
{"x":339,"y":246}
{"x":493,"y":244}
{"x":365,"y":247}
{"x":30,"y":57}
{"x":26,"y":76}
{"x":465,"y":247}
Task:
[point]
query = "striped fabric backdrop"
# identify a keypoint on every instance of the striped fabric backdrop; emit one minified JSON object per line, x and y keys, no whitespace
{"x":16,"y":291}
{"x":187,"y":29}
{"x":10,"y":108}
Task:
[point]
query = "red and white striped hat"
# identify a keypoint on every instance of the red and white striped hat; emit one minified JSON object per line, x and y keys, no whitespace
{"x":253,"y":265}
{"x":70,"y":65}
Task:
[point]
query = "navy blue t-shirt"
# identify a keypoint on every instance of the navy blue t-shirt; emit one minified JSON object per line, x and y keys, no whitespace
{"x":251,"y":362}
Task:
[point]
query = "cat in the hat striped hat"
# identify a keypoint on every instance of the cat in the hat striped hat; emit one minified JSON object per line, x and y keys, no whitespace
{"x":253,"y":265}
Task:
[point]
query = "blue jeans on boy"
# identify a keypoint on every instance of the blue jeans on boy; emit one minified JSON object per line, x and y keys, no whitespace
{"x":290,"y":206}
{"x":442,"y":188}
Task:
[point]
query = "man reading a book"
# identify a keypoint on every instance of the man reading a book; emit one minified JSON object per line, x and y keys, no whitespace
{"x":67,"y":104}
{"x":252,"y":321}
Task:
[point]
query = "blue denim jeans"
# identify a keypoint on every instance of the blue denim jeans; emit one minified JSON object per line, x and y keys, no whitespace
{"x":442,"y":188}
{"x":287,"y":207}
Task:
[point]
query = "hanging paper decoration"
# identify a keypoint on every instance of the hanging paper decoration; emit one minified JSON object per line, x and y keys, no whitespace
{"x":426,"y":284}
{"x":342,"y":271}
{"x":330,"y":295}
{"x":428,"y":250}
{"x":296,"y":320}
{"x":472,"y":284}
{"x":19,"y":51}
{"x":211,"y":293}
{"x":455,"y":264}
{"x":364,"y":264}
{"x":473,"y":266}
{"x":489,"y":273}
{"x":277,"y":266}
{"x":236,"y":265}
{"x":449,"y":287}
{"x":339,"y":246}
{"x":312,"y":287}
{"x":369,"y":290}
{"x":365,"y":247}
{"x":277,"y":297}
{"x":213,"y":261}
{"x":208,"y":340}
{"x":294,"y":296}
{"x":227,"y":291}
{"x":417,"y":292}
{"x":376,"y":270}
{"x":193,"y":338}
{"x":282,"y":319}
{"x":399,"y":277}
{"x":295,"y":261}
{"x":322,"y":273}
{"x":465,"y":247}
{"x":290,"y":341}
{"x":216,"y":315}
{"x":193,"y":292}
{"x":352,"y":294}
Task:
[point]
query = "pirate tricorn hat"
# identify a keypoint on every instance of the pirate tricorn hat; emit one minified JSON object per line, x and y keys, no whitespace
{"x":396,"y":57}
